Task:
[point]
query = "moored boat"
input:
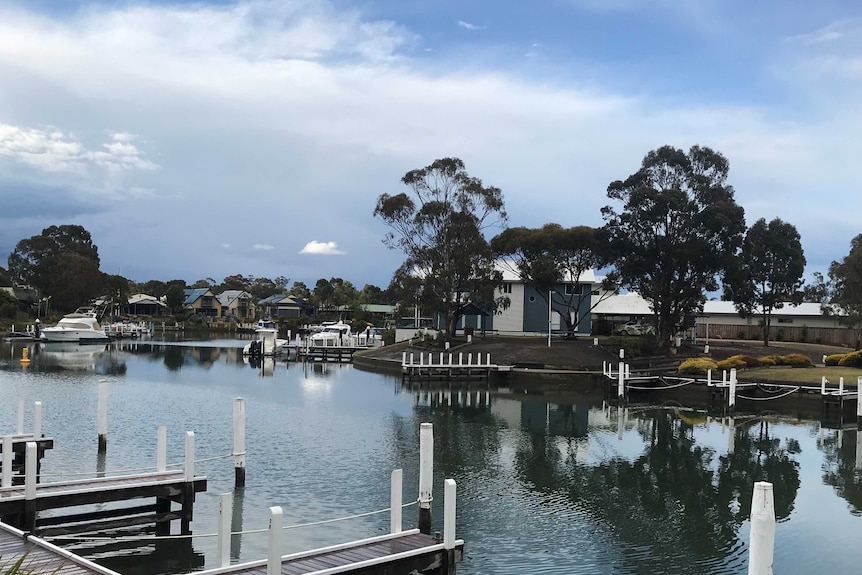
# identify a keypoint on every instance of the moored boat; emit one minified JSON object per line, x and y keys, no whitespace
{"x":80,"y":327}
{"x":267,"y":342}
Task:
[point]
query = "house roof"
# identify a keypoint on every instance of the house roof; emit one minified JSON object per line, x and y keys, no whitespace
{"x":633,"y":304}
{"x":623,"y":304}
{"x":228,"y":296}
{"x":510,"y":274}
{"x":192,"y":295}
{"x":142,"y":298}
{"x":728,"y":308}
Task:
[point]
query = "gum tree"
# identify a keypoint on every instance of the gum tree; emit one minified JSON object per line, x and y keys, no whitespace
{"x":846,"y":288}
{"x":553,"y":259}
{"x":769,"y":271}
{"x":440,"y":226}
{"x":675,"y":231}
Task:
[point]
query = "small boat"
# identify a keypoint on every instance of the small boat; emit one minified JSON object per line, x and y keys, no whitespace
{"x":333,"y":335}
{"x":81,"y":327}
{"x":267,"y":341}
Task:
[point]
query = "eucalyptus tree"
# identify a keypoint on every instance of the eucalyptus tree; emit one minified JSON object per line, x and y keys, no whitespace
{"x":553,"y":259}
{"x":677,"y":230}
{"x":440,"y":227}
{"x":846,"y":288}
{"x":62,"y":262}
{"x":769,"y":271}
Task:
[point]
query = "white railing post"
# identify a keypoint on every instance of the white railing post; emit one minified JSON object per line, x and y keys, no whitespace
{"x":162,"y":449}
{"x":7,"y":462}
{"x":189,"y":474}
{"x":488,"y":360}
{"x":731,"y":397}
{"x":274,"y":544}
{"x":102,"y":417}
{"x":840,"y":386}
{"x":449,"y":514}
{"x":37,"y":420}
{"x":395,"y":496}
{"x":31,"y":459}
{"x":761,"y":545}
{"x":709,"y":378}
{"x":621,"y":382}
{"x":239,"y":441}
{"x":426,"y":476}
{"x":823,"y":382}
{"x":225,"y":513}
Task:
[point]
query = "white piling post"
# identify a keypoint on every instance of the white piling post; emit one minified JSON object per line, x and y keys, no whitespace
{"x":823,"y":382}
{"x":37,"y":420}
{"x":189,"y":474}
{"x":761,"y":545}
{"x":30,"y":461}
{"x":7,"y":462}
{"x":841,"y":386}
{"x":709,"y":378}
{"x":460,"y":358}
{"x":273,"y":555}
{"x":595,"y":342}
{"x":162,"y":449}
{"x":605,"y":368}
{"x":859,"y":399}
{"x":731,"y":397}
{"x":102,"y":417}
{"x":488,"y":360}
{"x":225,"y":514}
{"x":395,"y":495}
{"x":449,"y":490}
{"x":441,"y":358}
{"x":723,"y":377}
{"x":19,"y":428}
{"x":403,"y":358}
{"x":706,"y":349}
{"x":621,"y":382}
{"x":628,"y":371}
{"x":239,"y":441}
{"x":426,"y":476}
{"x":622,"y":353}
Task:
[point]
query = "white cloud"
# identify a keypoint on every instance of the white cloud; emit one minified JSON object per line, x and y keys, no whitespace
{"x":263,"y":247}
{"x":469,"y":26}
{"x":321,"y":249}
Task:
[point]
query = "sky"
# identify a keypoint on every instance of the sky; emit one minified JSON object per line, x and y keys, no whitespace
{"x":204,"y":139}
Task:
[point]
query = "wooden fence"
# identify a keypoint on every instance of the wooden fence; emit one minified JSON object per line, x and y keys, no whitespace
{"x":778,"y":332}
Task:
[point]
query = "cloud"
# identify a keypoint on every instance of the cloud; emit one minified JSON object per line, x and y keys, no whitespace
{"x":263,"y":247}
{"x":322,"y":249}
{"x":469,"y":26}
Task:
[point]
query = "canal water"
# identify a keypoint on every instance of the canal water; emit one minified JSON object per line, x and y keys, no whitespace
{"x":546,"y":484}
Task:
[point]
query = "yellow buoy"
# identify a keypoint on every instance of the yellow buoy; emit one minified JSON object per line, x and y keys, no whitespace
{"x":25,"y":355}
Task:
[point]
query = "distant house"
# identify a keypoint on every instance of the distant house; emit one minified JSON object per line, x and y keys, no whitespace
{"x":143,"y":304}
{"x":281,"y":305}
{"x":236,"y":303}
{"x":202,"y":301}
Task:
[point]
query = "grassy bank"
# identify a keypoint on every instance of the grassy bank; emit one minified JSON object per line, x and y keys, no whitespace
{"x":807,"y":375}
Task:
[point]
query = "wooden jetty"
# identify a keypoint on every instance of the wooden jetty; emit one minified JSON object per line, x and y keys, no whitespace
{"x":16,"y":465}
{"x":334,"y":353}
{"x":447,"y":366}
{"x":21,"y":505}
{"x":39,"y":556}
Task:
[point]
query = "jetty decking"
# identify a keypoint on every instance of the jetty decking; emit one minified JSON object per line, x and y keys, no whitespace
{"x":20,"y":505}
{"x":39,"y":556}
{"x":387,"y":554}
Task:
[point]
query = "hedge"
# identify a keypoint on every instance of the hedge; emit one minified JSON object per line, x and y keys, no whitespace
{"x":697,"y":366}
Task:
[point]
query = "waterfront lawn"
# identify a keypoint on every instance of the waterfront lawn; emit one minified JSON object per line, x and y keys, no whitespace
{"x":809,"y":375}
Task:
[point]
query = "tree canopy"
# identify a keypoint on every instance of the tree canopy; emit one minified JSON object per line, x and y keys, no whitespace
{"x":677,"y":229}
{"x":440,"y":228}
{"x":768,"y":271}
{"x":553,"y":259}
{"x":846,"y":287}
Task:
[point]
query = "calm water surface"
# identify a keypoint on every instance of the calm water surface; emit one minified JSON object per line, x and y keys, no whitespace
{"x":566,"y":487}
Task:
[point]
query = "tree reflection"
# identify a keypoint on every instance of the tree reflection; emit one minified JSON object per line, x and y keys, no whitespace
{"x":842,"y":468}
{"x":678,"y":499}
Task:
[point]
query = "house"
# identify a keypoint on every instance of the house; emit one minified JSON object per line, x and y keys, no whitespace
{"x":236,"y":303}
{"x":143,"y":304}
{"x":281,"y":305}
{"x":202,"y":301}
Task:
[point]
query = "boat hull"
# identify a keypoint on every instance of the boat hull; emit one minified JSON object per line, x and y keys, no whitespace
{"x":73,"y":335}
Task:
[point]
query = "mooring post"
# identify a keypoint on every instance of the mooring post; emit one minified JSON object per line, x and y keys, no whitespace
{"x":761,"y":545}
{"x":395,"y":495}
{"x":7,"y":462}
{"x":103,"y":416}
{"x":470,"y":359}
{"x":449,"y":490}
{"x":274,"y":543}
{"x":858,"y":450}
{"x":37,"y":420}
{"x":189,"y":485}
{"x":731,"y":397}
{"x":189,"y":470}
{"x":31,"y":457}
{"x":823,"y":382}
{"x":621,"y":381}
{"x":239,"y":441}
{"x":19,"y":428}
{"x":225,"y":514}
{"x":709,"y":378}
{"x":628,"y":371}
{"x":731,"y":436}
{"x":622,"y":353}
{"x":162,"y":449}
{"x":426,"y":475}
{"x":841,"y":387}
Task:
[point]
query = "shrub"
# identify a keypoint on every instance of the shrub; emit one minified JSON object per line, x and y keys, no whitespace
{"x":696,"y":366}
{"x":835,"y":358}
{"x":852,"y":359}
{"x":795,"y":360}
{"x":768,"y":360}
{"x":732,"y":362}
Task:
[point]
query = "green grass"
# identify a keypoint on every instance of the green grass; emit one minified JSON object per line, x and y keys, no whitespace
{"x":810,"y":375}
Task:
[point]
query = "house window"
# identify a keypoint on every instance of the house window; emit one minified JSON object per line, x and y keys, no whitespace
{"x":577,"y":289}
{"x":206,"y":301}
{"x":506,"y":288}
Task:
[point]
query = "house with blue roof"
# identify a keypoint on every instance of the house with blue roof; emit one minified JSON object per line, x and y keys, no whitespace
{"x":281,"y":305}
{"x":237,"y":303}
{"x":202,"y":301}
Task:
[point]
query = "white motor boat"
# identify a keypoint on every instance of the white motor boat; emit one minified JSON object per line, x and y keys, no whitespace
{"x":78,"y":327}
{"x":333,"y":335}
{"x":267,"y":341}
